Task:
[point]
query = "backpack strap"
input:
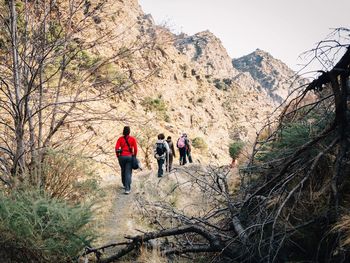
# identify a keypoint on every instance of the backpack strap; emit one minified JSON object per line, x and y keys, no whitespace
{"x":126,"y":140}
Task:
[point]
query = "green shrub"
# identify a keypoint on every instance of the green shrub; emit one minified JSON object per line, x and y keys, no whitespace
{"x":157,"y":105}
{"x":292,"y":134}
{"x":36,"y":227}
{"x":220,"y":84}
{"x":54,"y":32}
{"x":289,"y":138}
{"x":154,"y":104}
{"x":87,"y":60}
{"x":200,"y":100}
{"x":235,"y":149}
{"x":199,"y":143}
{"x":227,"y":82}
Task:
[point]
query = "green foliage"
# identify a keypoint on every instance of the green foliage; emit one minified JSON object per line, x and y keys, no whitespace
{"x":55,"y":31}
{"x":157,"y":105}
{"x":86,"y":60}
{"x":293,"y":135}
{"x":221,"y":84}
{"x":289,"y":138}
{"x":199,"y":143}
{"x":34,"y":225}
{"x":235,"y":148}
{"x":80,"y":62}
{"x":110,"y":74}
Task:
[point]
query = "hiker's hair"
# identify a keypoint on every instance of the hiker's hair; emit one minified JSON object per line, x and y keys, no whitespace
{"x":126,"y":130}
{"x":169,"y":138}
{"x":161,"y":136}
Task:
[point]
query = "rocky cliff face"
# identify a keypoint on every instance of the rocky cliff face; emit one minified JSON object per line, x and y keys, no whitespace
{"x":179,"y":83}
{"x":271,"y":76}
{"x":208,"y":54}
{"x":258,"y":71}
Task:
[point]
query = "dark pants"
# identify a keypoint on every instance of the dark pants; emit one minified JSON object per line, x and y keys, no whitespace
{"x":160,"y":167}
{"x":125,"y":165}
{"x":169,"y":164}
{"x":189,"y":156}
{"x":182,"y":155}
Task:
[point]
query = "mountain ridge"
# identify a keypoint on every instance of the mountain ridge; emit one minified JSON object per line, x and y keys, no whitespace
{"x":194,"y":86}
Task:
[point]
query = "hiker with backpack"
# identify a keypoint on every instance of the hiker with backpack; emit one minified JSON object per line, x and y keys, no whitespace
{"x":125,"y":148}
{"x":161,"y":153}
{"x":169,"y":161}
{"x":188,"y":149}
{"x":182,"y":144}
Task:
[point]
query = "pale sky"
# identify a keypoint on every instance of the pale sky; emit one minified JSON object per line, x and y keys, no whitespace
{"x":284,"y":28}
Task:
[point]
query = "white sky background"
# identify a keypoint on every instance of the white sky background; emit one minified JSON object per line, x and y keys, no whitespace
{"x":284,"y":28}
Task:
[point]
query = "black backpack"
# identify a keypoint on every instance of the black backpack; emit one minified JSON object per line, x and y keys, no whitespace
{"x":160,"y":149}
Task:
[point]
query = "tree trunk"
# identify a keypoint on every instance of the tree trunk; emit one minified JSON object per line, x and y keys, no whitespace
{"x":18,"y":163}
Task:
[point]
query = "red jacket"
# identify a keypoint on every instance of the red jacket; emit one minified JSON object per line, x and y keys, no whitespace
{"x":121,"y":144}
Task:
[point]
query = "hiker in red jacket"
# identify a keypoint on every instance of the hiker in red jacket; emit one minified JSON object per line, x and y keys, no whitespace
{"x":125,"y":148}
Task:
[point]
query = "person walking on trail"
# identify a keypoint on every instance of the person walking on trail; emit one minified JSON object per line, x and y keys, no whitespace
{"x":125,"y":148}
{"x":161,"y":153}
{"x":169,"y":161}
{"x":181,"y":144}
{"x":188,"y":149}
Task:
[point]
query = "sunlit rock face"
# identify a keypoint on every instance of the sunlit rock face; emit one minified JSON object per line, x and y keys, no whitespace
{"x":274,"y":77}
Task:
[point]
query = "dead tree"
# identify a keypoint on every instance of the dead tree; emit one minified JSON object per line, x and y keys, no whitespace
{"x":298,"y":193}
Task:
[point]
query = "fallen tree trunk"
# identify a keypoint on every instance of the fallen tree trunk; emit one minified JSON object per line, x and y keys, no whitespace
{"x":215,"y":243}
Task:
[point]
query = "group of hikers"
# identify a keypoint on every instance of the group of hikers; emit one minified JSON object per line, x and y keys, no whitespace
{"x":164,"y":152}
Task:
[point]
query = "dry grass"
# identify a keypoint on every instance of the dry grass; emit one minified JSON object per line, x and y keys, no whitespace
{"x":343,"y":226}
{"x":151,"y":256}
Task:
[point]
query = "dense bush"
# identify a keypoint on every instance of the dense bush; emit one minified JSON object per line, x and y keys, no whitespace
{"x":110,"y":74}
{"x":157,"y":105}
{"x":235,"y":149}
{"x":199,"y":143}
{"x":37,"y":228}
{"x":292,"y":135}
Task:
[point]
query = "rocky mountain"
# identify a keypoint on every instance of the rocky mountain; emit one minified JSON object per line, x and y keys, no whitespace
{"x":257,"y":71}
{"x":176,"y":83}
{"x":271,"y":76}
{"x":208,"y":54}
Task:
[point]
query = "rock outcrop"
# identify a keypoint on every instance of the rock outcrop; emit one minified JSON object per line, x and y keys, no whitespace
{"x":208,"y":53}
{"x":273,"y":76}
